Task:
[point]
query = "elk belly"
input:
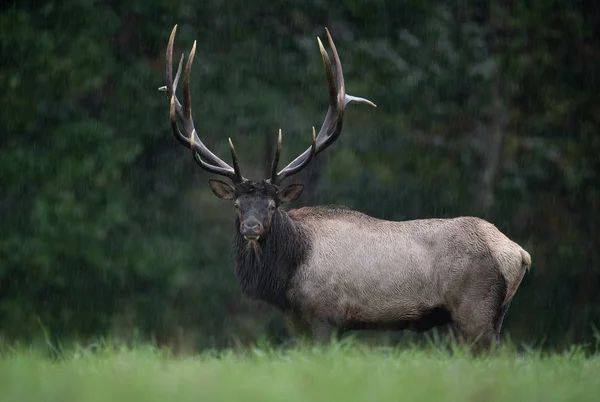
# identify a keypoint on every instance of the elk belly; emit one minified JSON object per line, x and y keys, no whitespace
{"x":366,"y":276}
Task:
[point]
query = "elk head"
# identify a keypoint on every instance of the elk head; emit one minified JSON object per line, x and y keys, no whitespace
{"x":256,"y":201}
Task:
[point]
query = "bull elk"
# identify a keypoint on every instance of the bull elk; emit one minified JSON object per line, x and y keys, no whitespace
{"x":332,"y":269}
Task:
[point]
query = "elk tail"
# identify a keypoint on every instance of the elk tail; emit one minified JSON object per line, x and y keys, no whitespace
{"x":525,"y":260}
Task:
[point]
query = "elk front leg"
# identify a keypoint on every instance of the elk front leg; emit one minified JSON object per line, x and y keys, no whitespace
{"x":298,"y":326}
{"x":323,"y":330}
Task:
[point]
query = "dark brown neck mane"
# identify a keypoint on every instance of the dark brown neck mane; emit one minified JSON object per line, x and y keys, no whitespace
{"x":264,"y":271}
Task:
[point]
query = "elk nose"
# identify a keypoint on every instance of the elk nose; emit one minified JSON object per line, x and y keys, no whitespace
{"x":252,"y":230}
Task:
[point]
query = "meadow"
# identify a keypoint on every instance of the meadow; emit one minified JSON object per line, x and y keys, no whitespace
{"x":340,"y":372}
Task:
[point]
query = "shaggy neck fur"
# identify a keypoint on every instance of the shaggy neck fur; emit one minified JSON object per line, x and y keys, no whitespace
{"x":264,"y":271}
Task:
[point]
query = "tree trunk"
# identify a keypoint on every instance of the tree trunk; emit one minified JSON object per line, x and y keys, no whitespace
{"x":588,"y":281}
{"x":489,"y":134}
{"x":489,"y":139}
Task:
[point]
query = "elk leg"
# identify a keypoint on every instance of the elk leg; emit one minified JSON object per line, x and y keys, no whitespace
{"x":323,"y":330}
{"x":500,"y":319}
{"x":478,"y":315}
{"x":478,"y":335}
{"x":298,"y":326}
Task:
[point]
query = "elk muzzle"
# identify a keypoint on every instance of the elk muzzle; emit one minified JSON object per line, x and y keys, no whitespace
{"x":251,"y":228}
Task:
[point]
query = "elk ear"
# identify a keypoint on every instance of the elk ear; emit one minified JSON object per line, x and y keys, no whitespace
{"x":290,"y":193}
{"x":222,"y":190}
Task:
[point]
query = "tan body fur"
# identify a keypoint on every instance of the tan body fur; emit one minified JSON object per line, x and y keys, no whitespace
{"x":373,"y":271}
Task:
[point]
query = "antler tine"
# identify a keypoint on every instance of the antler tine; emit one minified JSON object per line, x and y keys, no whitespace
{"x":338,"y":68}
{"x":332,"y":84}
{"x":169,"y":56}
{"x":178,"y":73}
{"x":338,"y":99}
{"x":211,"y":168}
{"x":290,"y":170}
{"x":347,"y":98}
{"x":191,"y":143}
{"x":236,"y":165}
{"x":207,"y":160}
{"x":186,"y":111}
{"x":182,"y":139}
{"x":187,"y":95}
{"x":276,"y":159}
{"x":332,"y":126}
{"x":172,"y":86}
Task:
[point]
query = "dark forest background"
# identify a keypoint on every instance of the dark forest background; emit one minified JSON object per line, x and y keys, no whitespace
{"x":109,"y":229}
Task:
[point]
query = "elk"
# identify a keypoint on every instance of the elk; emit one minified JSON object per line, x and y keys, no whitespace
{"x":333,"y":269}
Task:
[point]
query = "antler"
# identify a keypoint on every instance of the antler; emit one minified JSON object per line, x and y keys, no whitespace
{"x":205,"y":158}
{"x":332,"y":125}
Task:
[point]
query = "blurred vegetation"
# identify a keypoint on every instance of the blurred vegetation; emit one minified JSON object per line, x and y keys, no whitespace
{"x":107,"y":226}
{"x":342,"y":372}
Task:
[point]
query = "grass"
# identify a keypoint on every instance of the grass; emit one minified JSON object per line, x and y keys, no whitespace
{"x":341,"y":372}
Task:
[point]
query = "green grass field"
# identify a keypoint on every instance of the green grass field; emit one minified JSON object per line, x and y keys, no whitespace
{"x":336,"y":373}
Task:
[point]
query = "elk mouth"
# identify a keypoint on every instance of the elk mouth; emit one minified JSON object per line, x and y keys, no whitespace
{"x":252,"y":242}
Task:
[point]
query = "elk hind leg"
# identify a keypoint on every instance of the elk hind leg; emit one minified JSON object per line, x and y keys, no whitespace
{"x":478,"y":317}
{"x":500,"y":319}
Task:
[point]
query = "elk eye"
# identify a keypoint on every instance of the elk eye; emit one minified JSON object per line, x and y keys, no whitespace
{"x":271,"y":207}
